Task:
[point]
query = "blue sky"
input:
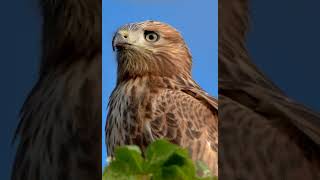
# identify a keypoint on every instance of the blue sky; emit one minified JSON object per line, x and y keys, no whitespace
{"x":196,"y":20}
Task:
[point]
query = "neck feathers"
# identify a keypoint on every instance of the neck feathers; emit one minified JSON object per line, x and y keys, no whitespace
{"x":134,"y":64}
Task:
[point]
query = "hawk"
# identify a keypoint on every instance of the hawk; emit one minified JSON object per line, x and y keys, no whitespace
{"x":155,"y":95}
{"x":263,"y":134}
{"x":58,"y":136}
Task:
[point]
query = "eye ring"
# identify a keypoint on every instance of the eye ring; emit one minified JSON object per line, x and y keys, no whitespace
{"x":151,"y":36}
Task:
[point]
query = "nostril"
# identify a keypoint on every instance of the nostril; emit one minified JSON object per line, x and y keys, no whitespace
{"x":125,"y":36}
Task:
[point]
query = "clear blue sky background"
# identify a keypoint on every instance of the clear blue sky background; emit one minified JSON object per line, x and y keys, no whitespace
{"x":196,"y":20}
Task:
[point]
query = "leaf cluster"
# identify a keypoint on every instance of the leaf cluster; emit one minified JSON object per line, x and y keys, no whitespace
{"x":161,"y":161}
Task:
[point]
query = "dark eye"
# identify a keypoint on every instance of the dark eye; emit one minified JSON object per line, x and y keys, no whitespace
{"x":151,"y":36}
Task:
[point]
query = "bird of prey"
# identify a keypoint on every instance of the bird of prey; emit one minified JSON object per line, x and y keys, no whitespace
{"x":263,"y":134}
{"x":59,"y":134}
{"x":155,"y":95}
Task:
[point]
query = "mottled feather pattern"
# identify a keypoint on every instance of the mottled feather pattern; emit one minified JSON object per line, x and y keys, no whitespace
{"x":263,"y":134}
{"x":155,"y":96}
{"x":256,"y":146}
{"x":140,"y":113}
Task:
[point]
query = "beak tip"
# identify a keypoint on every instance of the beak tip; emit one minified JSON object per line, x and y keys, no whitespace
{"x":120,"y":41}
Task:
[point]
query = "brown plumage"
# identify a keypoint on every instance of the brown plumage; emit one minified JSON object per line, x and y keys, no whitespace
{"x":60,"y":123}
{"x":263,"y":134}
{"x":155,"y":96}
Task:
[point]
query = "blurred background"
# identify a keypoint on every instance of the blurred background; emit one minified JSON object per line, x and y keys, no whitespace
{"x":20,"y":36}
{"x":284,"y":43}
{"x":196,"y":20}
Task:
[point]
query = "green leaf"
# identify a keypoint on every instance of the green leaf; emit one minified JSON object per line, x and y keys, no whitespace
{"x":158,"y":152}
{"x":118,"y":170}
{"x":163,"y":161}
{"x":180,"y":159}
{"x":172,"y":172}
{"x":134,"y":148}
{"x":128,"y":160}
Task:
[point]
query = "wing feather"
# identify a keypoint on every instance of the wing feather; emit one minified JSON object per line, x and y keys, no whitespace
{"x":188,"y":118}
{"x":264,"y":100}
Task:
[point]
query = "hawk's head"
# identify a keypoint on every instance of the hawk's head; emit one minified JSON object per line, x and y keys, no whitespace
{"x":150,"y":48}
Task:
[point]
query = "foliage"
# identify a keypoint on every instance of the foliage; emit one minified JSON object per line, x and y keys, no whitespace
{"x":162,"y":160}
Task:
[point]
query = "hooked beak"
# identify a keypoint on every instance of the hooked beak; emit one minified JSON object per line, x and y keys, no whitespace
{"x":120,"y":41}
